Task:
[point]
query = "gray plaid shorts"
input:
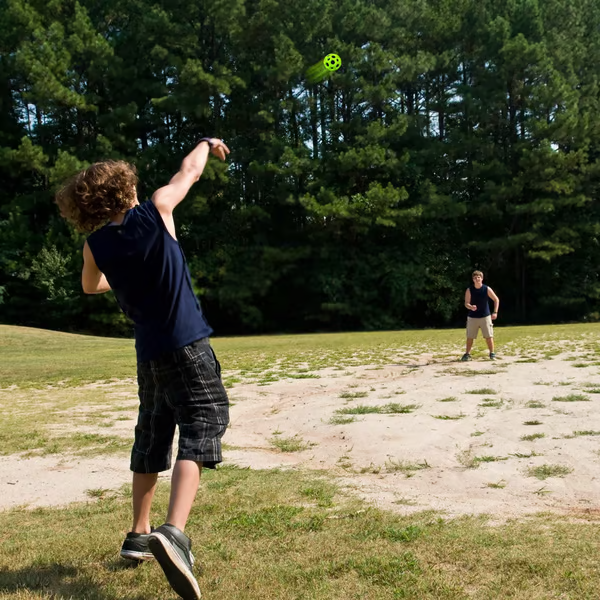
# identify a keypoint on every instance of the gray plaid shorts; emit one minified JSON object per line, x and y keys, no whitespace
{"x":182,"y":388}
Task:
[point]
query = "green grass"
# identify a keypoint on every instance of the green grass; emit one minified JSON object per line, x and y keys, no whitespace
{"x":532,"y":437}
{"x":448,"y":399}
{"x":289,"y":444}
{"x":322,"y":492}
{"x":396,"y":466}
{"x":471,"y":372}
{"x":388,"y":409}
{"x":449,"y":417}
{"x":532,"y":423}
{"x":341,"y":420}
{"x":482,"y":391}
{"x":28,"y":355}
{"x":66,"y":420}
{"x":491,"y":403}
{"x":523,"y":455}
{"x":571,"y":398}
{"x":546,"y":471}
{"x":353,"y":395}
{"x":500,"y":485}
{"x":592,"y":388}
{"x":406,"y":467}
{"x":468,"y":460}
{"x":535,"y":404}
{"x":277,"y":534}
{"x":289,"y":535}
{"x":488,"y":459}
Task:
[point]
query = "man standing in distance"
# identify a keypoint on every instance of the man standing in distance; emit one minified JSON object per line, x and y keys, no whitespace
{"x":477,"y":299}
{"x":133,"y":250}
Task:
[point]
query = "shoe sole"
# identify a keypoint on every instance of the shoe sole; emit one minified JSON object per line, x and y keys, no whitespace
{"x":178,"y":574}
{"x":132,"y":555}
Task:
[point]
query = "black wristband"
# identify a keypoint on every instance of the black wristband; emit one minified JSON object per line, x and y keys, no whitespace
{"x":208,"y":141}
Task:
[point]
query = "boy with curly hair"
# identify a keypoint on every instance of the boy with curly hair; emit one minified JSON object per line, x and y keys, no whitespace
{"x":133,"y":250}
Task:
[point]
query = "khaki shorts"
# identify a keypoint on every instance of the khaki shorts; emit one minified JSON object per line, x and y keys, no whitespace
{"x":484,"y":323}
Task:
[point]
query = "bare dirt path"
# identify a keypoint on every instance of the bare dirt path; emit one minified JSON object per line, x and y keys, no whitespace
{"x":472,"y":461}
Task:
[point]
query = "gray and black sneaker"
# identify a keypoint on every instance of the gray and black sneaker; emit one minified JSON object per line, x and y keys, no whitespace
{"x":173,"y":551}
{"x":466,"y":357}
{"x":135,"y":547}
{"x":492,"y":356}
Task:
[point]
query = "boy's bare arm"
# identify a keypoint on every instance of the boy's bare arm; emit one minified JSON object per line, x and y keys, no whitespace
{"x":468,"y":300}
{"x":93,"y":280}
{"x":168,"y":197}
{"x":495,"y":298}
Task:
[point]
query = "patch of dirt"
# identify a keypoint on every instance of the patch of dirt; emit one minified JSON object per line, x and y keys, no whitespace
{"x":371,"y":454}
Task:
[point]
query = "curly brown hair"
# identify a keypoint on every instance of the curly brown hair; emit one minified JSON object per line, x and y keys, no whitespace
{"x":97,"y":193}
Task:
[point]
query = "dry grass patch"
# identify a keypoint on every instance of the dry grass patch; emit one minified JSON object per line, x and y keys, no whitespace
{"x":546,"y":471}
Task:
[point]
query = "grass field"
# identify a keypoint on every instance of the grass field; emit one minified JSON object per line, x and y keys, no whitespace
{"x":37,"y":358}
{"x":268,"y":534}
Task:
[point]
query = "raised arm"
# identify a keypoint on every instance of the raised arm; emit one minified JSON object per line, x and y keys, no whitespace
{"x":168,"y":197}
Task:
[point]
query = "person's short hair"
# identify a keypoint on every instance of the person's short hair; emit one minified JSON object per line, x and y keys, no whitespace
{"x":97,"y":193}
{"x":476,"y":273}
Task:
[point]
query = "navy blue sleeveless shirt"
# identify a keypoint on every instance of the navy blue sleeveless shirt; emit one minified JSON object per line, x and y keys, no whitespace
{"x":480,"y":298}
{"x":146,"y":268}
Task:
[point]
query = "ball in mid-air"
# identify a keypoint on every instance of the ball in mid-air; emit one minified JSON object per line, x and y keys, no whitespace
{"x":332,"y":62}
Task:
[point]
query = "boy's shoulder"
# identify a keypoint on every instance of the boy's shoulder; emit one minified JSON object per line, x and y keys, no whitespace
{"x":145,"y":210}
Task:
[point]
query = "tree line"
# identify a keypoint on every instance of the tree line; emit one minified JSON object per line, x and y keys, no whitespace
{"x":458,"y":134}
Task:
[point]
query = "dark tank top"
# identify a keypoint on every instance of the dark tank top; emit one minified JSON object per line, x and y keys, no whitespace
{"x":480,"y":298}
{"x":147,"y":271}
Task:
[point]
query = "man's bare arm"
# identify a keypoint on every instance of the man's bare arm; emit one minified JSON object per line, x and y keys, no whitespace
{"x":168,"y":197}
{"x":468,"y":300}
{"x":93,"y":281}
{"x":495,"y":298}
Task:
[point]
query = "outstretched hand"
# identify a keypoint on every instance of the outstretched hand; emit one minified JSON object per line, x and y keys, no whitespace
{"x":219,"y":148}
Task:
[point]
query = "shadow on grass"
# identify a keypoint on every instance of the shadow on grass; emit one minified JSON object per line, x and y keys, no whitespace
{"x":57,"y":580}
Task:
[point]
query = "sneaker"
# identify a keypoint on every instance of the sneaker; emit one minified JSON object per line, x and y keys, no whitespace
{"x":466,"y":357}
{"x":135,"y":547}
{"x":492,"y":356}
{"x":172,"y":549}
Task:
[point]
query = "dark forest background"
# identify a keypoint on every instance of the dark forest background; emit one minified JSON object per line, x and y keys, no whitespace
{"x":458,"y":134}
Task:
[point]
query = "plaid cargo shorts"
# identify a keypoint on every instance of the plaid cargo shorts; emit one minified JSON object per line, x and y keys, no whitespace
{"x":181,"y":388}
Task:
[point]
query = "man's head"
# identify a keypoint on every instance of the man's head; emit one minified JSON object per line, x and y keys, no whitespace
{"x":477,"y":277}
{"x":97,"y":194}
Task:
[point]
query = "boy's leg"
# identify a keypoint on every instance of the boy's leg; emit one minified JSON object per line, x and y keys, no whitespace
{"x":201,"y":406}
{"x":144,"y":486}
{"x":487,"y":329}
{"x":472,"y":331}
{"x":202,"y":409}
{"x":151,"y":452}
{"x":184,"y":485}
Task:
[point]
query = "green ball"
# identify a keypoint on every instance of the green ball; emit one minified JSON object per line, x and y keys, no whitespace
{"x":332,"y":62}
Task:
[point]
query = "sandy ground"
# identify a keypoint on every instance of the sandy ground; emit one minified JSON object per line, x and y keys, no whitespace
{"x":369,"y":455}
